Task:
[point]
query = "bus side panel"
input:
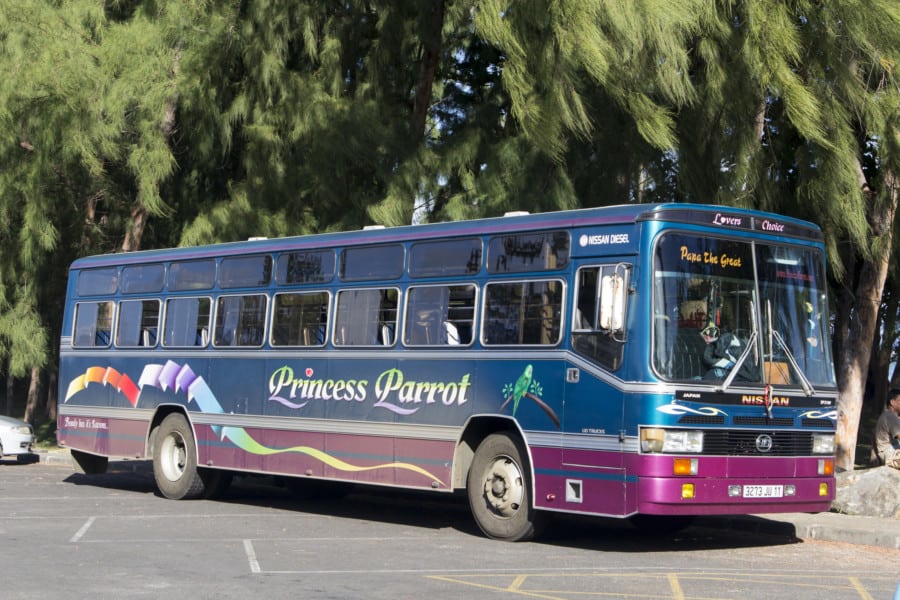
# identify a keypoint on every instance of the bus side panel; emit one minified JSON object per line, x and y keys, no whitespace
{"x":582,"y":485}
{"x":378,"y":460}
{"x":96,"y":411}
{"x":103,"y":436}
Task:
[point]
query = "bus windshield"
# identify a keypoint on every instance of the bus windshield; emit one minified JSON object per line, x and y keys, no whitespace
{"x":740,"y":313}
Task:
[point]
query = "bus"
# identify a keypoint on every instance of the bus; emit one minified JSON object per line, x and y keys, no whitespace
{"x":643,"y":361}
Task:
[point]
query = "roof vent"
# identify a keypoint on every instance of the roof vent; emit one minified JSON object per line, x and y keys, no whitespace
{"x":516,"y":213}
{"x":372,"y":227}
{"x":257,"y":238}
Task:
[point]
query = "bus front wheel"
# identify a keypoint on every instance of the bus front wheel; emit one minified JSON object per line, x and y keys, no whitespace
{"x":175,"y":463}
{"x":499,"y":490}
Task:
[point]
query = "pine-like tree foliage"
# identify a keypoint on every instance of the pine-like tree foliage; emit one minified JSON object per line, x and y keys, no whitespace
{"x":225,"y":119}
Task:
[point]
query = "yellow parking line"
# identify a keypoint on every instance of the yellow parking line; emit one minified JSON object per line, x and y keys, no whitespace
{"x":496,"y":588}
{"x":863,"y":593}
{"x":677,"y":592}
{"x":517,"y":583}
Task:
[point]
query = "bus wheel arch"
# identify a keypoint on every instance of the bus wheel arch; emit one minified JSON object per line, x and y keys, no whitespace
{"x":173,"y":446}
{"x":498,"y":479}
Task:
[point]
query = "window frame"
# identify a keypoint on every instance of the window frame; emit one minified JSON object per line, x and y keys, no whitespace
{"x":409,"y":292}
{"x":267,"y":261}
{"x":414,"y":273}
{"x":176,"y":264}
{"x":238,"y":329}
{"x":379,"y":332}
{"x":485,"y":320}
{"x":142,"y":328}
{"x":95,"y":331}
{"x":329,"y":298}
{"x":89,"y":291}
{"x":165,"y":322}
{"x":123,"y":278}
{"x":284,"y":255}
{"x":381,"y":276}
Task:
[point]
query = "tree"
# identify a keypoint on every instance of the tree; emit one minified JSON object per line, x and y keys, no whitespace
{"x":81,"y":106}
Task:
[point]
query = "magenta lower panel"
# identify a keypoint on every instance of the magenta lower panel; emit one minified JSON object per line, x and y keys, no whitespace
{"x":370,"y":459}
{"x":661,"y":492}
{"x":580,"y":481}
{"x":103,"y":436}
{"x":618,"y":484}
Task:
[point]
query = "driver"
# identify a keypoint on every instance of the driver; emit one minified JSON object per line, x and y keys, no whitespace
{"x":722,"y":352}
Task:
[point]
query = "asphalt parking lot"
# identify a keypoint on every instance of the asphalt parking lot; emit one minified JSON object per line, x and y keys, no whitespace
{"x":113,"y":536}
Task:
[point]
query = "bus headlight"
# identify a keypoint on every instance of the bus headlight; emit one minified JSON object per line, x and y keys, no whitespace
{"x":823,"y":443}
{"x":671,"y":441}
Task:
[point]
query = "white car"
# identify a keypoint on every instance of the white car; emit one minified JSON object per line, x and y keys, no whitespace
{"x":16,"y":438}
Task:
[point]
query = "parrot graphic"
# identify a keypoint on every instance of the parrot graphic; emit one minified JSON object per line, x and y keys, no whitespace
{"x":521,"y":387}
{"x":520,"y":390}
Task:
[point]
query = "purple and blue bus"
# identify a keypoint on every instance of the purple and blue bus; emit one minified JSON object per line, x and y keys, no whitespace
{"x":646,"y":361}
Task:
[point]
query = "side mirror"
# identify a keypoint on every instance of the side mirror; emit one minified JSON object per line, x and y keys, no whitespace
{"x":612,"y":302}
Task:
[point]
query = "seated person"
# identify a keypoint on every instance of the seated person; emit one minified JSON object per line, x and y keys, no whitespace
{"x":722,"y":353}
{"x":887,"y":432}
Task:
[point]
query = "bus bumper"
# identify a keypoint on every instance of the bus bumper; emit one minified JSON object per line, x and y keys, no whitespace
{"x":734,"y":485}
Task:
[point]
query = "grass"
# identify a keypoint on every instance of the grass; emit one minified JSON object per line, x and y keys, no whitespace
{"x":45,"y":434}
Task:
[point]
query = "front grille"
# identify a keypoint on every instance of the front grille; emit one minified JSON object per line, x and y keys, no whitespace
{"x":827,"y":424}
{"x":744,"y":443}
{"x":764,"y":421}
{"x":701,"y":420}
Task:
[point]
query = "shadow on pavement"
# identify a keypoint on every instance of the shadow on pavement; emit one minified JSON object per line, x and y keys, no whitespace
{"x":430,"y":510}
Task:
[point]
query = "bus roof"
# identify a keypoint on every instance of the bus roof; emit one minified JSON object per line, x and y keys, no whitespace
{"x":697,"y":214}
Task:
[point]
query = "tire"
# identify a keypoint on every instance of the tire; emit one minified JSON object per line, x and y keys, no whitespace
{"x":175,"y":460}
{"x":89,"y":464}
{"x":499,"y":490}
{"x":215,"y":482}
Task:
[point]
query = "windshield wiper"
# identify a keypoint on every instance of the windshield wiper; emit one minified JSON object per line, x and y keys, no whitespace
{"x":807,"y":386}
{"x":751,"y":343}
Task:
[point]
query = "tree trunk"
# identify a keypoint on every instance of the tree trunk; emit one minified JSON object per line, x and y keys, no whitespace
{"x":883,"y":350}
{"x":853,"y":363}
{"x":34,"y":387}
{"x":10,"y":385}
{"x":431,"y":53}
{"x":52,"y":381}
{"x":135,"y":231}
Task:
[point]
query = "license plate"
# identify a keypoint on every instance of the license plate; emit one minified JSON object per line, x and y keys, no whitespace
{"x":763,"y":491}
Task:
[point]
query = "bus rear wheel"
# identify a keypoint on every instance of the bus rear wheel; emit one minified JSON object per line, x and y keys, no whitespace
{"x":175,"y":463}
{"x":499,"y":490}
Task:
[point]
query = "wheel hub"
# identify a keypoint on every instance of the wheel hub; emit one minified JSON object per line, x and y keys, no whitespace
{"x":173,"y":456}
{"x":503,"y":487}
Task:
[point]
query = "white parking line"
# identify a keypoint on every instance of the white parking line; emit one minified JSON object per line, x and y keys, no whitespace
{"x":251,"y":556}
{"x":78,"y":535}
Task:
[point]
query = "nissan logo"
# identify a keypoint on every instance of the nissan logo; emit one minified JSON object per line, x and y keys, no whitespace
{"x":764,"y":443}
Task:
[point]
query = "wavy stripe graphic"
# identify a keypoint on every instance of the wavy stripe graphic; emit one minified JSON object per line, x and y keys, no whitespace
{"x":677,"y":409}
{"x":177,"y":378}
{"x":243,"y":440}
{"x":820,"y":414}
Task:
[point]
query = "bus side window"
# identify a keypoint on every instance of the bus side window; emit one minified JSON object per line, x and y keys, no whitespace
{"x":300,"y":319}
{"x":137,"y":323}
{"x":240,"y":320}
{"x":93,"y":324}
{"x":439,"y":315}
{"x":598,"y":320}
{"x":524,"y":312}
{"x":187,"y":322}
{"x":366,"y":317}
